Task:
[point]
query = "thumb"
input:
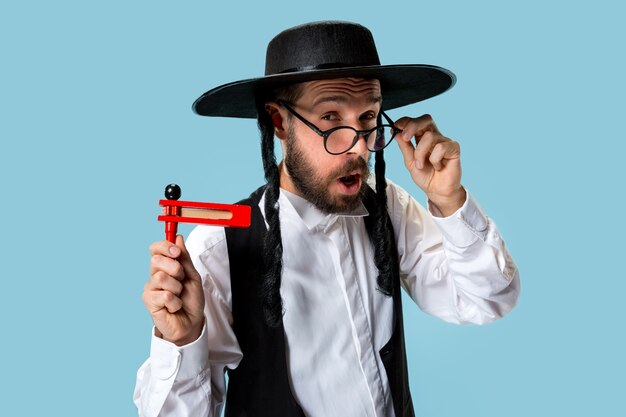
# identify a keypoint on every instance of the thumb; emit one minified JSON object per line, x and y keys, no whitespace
{"x":185,"y":260}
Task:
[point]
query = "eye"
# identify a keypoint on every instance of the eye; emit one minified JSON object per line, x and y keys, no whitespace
{"x":368,"y":120}
{"x":329,"y":116}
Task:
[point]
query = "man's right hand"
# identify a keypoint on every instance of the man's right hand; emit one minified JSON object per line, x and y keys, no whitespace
{"x":173,"y":294}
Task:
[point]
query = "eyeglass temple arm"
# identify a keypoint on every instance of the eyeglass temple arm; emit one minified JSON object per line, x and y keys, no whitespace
{"x":302,"y":119}
{"x":396,"y":128}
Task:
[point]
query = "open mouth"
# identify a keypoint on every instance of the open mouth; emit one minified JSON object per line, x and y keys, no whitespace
{"x":350,"y":184}
{"x":348,"y":179}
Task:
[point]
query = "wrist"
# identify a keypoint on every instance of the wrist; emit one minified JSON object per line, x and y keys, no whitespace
{"x":449,"y":204}
{"x":183,"y":340}
{"x":190,"y":338}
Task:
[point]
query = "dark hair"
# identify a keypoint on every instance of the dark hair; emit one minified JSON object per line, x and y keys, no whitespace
{"x":383,"y":231}
{"x":273,"y":248}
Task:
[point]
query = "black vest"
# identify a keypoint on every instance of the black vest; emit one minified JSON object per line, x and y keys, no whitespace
{"x":259,"y":386}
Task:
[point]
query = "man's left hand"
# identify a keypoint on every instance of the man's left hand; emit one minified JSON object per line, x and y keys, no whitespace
{"x":434,"y":162}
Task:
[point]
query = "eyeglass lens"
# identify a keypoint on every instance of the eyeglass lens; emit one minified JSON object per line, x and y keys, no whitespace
{"x":343,"y":139}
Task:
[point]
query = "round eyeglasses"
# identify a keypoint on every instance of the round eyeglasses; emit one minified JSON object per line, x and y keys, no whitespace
{"x":341,"y":139}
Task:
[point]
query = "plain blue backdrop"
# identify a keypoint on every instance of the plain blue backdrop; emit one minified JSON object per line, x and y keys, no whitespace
{"x":95,"y":119}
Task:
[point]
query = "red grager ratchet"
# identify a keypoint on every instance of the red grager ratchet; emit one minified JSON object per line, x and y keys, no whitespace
{"x":174,"y":212}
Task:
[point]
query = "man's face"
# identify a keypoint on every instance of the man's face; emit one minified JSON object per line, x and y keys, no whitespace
{"x":333,"y":183}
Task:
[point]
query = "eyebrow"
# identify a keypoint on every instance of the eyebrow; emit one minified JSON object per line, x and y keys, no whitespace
{"x":343,"y":100}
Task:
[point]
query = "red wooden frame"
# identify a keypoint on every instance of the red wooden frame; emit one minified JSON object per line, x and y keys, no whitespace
{"x":240,"y":215}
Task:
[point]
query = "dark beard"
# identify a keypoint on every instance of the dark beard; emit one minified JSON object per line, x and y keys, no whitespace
{"x":314,"y":188}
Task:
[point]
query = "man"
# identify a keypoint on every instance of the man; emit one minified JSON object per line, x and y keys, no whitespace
{"x":303,"y":310}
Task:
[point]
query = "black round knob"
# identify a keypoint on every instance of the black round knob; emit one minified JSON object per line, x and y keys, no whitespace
{"x":172,"y":192}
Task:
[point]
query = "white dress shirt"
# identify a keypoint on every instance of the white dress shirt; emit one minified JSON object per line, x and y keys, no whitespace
{"x":456,"y":268}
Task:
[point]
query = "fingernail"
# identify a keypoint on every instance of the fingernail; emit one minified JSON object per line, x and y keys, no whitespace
{"x":174,"y":251}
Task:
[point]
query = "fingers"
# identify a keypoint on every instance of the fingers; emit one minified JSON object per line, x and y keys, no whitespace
{"x":425,"y":145}
{"x":415,"y":126}
{"x":173,"y":294}
{"x":170,"y":266}
{"x":163,"y":291}
{"x":161,"y":281}
{"x":165,"y":248}
{"x":174,"y":259}
{"x":431,"y":146}
{"x":443,"y":151}
{"x":158,"y":300}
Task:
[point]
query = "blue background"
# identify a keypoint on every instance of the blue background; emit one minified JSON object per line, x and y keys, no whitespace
{"x":95,"y":106}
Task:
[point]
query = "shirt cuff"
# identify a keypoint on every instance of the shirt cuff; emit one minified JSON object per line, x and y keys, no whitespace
{"x":463,"y":227}
{"x":182,"y":362}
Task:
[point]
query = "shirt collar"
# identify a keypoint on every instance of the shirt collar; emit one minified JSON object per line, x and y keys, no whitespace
{"x":310,"y":215}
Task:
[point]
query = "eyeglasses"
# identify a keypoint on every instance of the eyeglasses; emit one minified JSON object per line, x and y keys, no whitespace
{"x":341,"y":139}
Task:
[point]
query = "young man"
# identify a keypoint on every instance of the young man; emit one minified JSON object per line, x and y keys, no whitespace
{"x":303,"y":309}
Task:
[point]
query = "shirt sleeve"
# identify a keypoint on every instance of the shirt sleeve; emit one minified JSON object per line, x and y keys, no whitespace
{"x":456,"y":268}
{"x":189,"y":380}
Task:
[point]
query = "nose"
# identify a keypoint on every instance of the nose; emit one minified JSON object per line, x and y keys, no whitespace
{"x":360,"y":147}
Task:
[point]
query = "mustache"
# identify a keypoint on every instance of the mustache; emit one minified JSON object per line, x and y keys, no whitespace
{"x":357,"y":164}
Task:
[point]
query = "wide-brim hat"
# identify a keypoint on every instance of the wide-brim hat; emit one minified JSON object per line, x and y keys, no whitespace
{"x":325,"y":50}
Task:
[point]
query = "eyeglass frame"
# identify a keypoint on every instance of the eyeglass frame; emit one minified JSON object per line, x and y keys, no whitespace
{"x":326,"y":133}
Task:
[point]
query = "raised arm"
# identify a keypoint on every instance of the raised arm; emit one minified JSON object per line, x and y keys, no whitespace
{"x":184,"y":374}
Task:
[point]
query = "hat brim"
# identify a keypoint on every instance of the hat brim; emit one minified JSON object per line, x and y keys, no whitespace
{"x":400,"y":85}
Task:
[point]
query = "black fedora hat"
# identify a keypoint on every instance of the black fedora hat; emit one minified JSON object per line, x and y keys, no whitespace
{"x":324,"y":50}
